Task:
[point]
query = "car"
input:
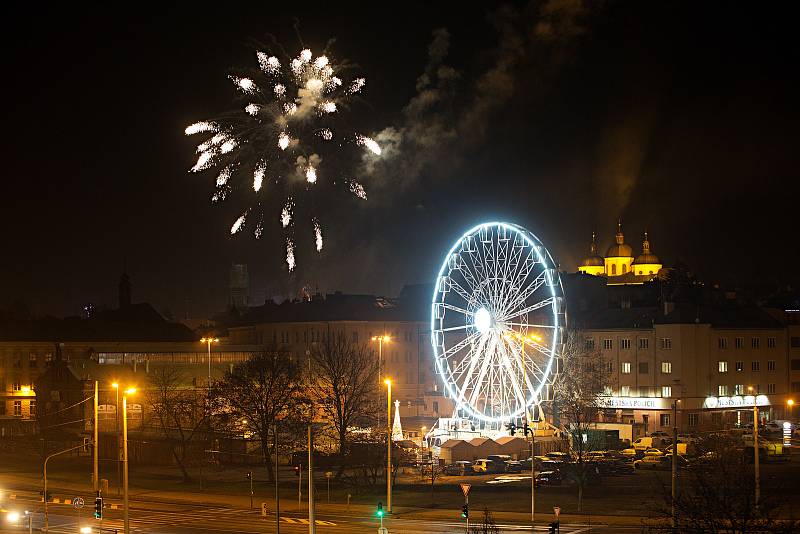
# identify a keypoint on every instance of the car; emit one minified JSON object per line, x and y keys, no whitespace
{"x":622,"y":467}
{"x":513,"y":466}
{"x":548,"y":478}
{"x":459,"y":468}
{"x":562,"y":456}
{"x":629,"y":452}
{"x":659,"y":434}
{"x":653,"y":452}
{"x":484,"y":465}
{"x":649,"y":462}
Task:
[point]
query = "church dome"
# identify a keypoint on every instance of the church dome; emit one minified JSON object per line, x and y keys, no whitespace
{"x":593,"y":260}
{"x":646,"y":257}
{"x":619,"y":249}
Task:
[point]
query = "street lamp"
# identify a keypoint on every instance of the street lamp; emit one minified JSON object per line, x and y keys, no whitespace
{"x":208,"y":341}
{"x":790,"y":403}
{"x":381,"y":340}
{"x":755,"y":448}
{"x":115,"y":385}
{"x":388,"y":383}
{"x":129,"y":391}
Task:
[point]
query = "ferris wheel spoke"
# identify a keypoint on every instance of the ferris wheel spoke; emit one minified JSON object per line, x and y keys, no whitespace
{"x":474,"y":359}
{"x":520,"y":352}
{"x":528,"y":325}
{"x":525,"y":293}
{"x":541,"y":304}
{"x":460,"y":345}
{"x":456,"y":328}
{"x":485,"y":367}
{"x":510,"y":374}
{"x":469,"y":297}
{"x":455,"y":309}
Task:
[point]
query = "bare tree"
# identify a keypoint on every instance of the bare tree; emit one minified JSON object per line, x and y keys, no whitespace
{"x":578,"y":388}
{"x":259,"y":394}
{"x":718,"y":495}
{"x":431,"y":470}
{"x":343,"y":381}
{"x":486,"y":525}
{"x":178,"y":412}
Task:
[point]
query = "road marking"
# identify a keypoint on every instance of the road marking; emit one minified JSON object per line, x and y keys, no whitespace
{"x":301,"y":521}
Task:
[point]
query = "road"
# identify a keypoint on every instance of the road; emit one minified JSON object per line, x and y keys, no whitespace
{"x":181,"y":518}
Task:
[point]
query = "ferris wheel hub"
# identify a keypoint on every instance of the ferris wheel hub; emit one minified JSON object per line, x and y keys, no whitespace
{"x":483,"y":320}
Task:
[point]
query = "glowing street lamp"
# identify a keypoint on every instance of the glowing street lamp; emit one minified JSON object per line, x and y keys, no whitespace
{"x":208,"y":341}
{"x":388,"y":383}
{"x":381,"y":340}
{"x":790,"y":404}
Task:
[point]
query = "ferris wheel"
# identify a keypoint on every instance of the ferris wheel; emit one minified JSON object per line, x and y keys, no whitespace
{"x":496,"y":322}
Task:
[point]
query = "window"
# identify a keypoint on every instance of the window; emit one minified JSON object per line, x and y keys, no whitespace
{"x":32,"y":360}
{"x":722,"y":366}
{"x":589,"y":343}
{"x":666,"y":391}
{"x":17,"y":408}
{"x":795,"y":387}
{"x":48,"y":357}
{"x":664,"y":419}
{"x":666,"y":343}
{"x":15,"y":386}
{"x":666,"y":368}
{"x":644,"y":343}
{"x":795,"y":341}
{"x":739,"y":367}
{"x":32,"y":407}
{"x":624,"y":343}
{"x":613,"y":269}
{"x":608,"y":344}
{"x":755,"y":366}
{"x":722,"y":390}
{"x":770,"y":365}
{"x":755,"y":342}
{"x":610,"y":367}
{"x":625,"y":391}
{"x":607,"y":391}
{"x":738,"y":389}
{"x":435,"y":406}
{"x":694,"y":418}
{"x":770,"y":388}
{"x":722,"y":343}
{"x":795,"y":364}
{"x":625,"y":368}
{"x":644,"y":368}
{"x":771,"y":343}
{"x":739,"y":342}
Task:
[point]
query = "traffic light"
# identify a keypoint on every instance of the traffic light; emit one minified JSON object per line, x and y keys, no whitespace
{"x":98,"y":508}
{"x":465,"y":511}
{"x":554,"y":527}
{"x":379,"y":511}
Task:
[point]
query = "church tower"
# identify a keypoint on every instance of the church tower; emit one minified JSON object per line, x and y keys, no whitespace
{"x":619,"y":256}
{"x":593,"y":264}
{"x":646,"y":263}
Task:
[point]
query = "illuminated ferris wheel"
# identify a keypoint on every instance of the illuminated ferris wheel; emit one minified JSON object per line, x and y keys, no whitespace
{"x":496,"y":322}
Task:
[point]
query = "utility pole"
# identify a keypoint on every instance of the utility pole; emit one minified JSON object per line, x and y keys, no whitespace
{"x":674,"y":459}
{"x":95,"y":479}
{"x":312,"y":524}
{"x":389,"y":446}
{"x":756,"y":452}
{"x":277,"y":491}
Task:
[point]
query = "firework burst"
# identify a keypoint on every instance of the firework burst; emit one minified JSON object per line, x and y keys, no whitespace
{"x":285,"y":142}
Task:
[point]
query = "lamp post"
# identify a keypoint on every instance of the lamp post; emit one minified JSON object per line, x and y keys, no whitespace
{"x":208,"y":341}
{"x":95,"y":474}
{"x":381,"y":340}
{"x":790,"y":403}
{"x":756,"y":459}
{"x":126,"y":522}
{"x":388,"y":445}
{"x":115,"y":385}
{"x":44,"y":478}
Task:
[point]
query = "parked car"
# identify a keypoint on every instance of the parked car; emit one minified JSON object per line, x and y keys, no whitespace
{"x":484,"y":465}
{"x":459,"y":468}
{"x":653,"y":452}
{"x":562,"y":456}
{"x":548,"y":478}
{"x":502,"y":458}
{"x":629,"y":452}
{"x":659,"y":434}
{"x":649,"y":462}
{"x":513,"y":466}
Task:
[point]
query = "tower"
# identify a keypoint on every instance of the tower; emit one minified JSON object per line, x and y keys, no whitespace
{"x":619,"y":256}
{"x":593,"y":264}
{"x":646,"y":263}
{"x":239,"y":287}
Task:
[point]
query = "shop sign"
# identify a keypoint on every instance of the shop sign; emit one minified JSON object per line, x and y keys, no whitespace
{"x":634,"y":403}
{"x":737,"y":401}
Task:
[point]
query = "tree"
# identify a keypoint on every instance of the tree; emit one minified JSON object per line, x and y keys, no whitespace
{"x":178,"y":412}
{"x":259,"y":394}
{"x":717,"y":495}
{"x":486,"y":525}
{"x":344,"y":379}
{"x":579,"y":387}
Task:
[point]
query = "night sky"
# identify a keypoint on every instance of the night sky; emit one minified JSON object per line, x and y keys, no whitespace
{"x":679,"y":118}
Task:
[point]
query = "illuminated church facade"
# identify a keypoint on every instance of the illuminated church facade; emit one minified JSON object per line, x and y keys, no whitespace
{"x":619,"y":265}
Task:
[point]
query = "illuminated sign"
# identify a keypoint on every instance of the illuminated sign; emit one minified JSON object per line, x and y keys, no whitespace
{"x":634,"y":403}
{"x":737,"y":401}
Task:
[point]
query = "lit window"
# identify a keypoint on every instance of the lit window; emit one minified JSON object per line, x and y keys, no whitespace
{"x":608,"y":344}
{"x":738,"y":389}
{"x":770,"y":365}
{"x":722,"y":366}
{"x":625,"y":368}
{"x":666,"y":391}
{"x":17,"y":408}
{"x":610,"y":367}
{"x":664,"y":419}
{"x":722,"y":390}
{"x":739,"y":367}
{"x":666,"y":367}
{"x":625,"y":391}
{"x":666,"y":343}
{"x":644,"y":343}
{"x":625,"y":343}
{"x":16,"y":386}
{"x":771,"y":342}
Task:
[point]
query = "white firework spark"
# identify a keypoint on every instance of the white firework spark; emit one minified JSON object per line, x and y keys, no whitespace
{"x":317,"y":235}
{"x":290,"y":254}
{"x":294,"y":108}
